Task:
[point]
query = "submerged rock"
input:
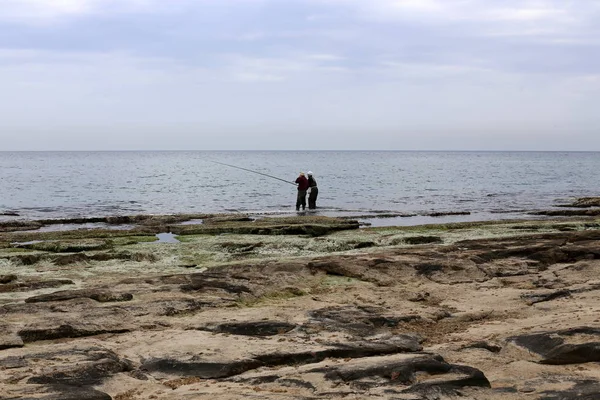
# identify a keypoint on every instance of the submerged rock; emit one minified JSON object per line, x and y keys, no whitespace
{"x":592,"y":212}
{"x":444,"y":214}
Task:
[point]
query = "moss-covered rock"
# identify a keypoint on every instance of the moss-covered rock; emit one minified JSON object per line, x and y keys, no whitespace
{"x":422,"y":239}
{"x":67,"y":246}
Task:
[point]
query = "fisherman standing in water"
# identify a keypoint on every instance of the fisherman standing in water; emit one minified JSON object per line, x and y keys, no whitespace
{"x":313,"y":191}
{"x":302,"y":187}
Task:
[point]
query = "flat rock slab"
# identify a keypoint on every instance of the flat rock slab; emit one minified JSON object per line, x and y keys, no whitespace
{"x":101,"y":296}
{"x":570,"y":346}
{"x":10,"y":340}
{"x":251,"y":328}
{"x":356,"y":320}
{"x":61,"y":393}
{"x":329,"y":321}
{"x":582,"y":390}
{"x":406,"y":376}
{"x":59,"y":371}
{"x":533,"y":298}
{"x":70,"y":330}
{"x":212,"y":355}
{"x":33,"y":285}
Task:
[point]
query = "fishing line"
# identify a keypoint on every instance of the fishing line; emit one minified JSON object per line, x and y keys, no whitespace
{"x":255,"y":172}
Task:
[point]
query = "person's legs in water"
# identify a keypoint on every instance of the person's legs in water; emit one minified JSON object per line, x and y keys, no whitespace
{"x":301,"y":200}
{"x":312,"y":198}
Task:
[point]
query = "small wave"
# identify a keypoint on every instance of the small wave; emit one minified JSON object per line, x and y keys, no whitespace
{"x":152,"y":176}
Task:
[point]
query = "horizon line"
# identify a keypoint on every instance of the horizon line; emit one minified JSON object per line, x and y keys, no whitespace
{"x":300,"y":150}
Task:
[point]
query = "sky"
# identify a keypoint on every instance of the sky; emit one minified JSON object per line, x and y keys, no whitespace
{"x":300,"y":74}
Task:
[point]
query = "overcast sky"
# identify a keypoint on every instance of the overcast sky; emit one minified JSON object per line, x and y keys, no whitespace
{"x":299,"y":74}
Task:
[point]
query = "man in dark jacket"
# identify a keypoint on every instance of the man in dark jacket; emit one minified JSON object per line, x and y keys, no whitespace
{"x":302,"y":187}
{"x":313,"y":191}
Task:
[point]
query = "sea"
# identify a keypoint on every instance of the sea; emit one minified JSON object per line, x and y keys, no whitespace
{"x":379,"y":187}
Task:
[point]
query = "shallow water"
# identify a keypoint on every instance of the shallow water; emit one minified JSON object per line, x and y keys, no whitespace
{"x":75,"y":184}
{"x":445,"y":219}
{"x":17,"y":244}
{"x":87,"y":225}
{"x":192,"y":222}
{"x":166,"y":238}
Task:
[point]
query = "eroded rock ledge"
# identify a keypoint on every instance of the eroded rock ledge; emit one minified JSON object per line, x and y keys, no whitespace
{"x":482,"y":312}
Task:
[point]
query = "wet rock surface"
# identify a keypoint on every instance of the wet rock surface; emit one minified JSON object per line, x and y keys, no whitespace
{"x":584,"y":206}
{"x":474,"y":312}
{"x":585,"y":202}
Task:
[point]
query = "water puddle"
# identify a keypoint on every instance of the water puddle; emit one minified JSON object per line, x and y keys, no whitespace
{"x":75,"y":227}
{"x":166,"y":238}
{"x":193,"y":222}
{"x":21,"y":244}
{"x":444,"y":219}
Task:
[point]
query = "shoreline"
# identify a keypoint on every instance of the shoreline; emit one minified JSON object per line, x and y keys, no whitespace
{"x":302,"y":307}
{"x":582,"y":207}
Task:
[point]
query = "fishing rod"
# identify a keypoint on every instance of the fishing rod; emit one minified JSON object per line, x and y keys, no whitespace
{"x":255,"y":172}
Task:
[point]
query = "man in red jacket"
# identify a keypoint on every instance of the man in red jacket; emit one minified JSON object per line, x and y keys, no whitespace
{"x":302,"y":188}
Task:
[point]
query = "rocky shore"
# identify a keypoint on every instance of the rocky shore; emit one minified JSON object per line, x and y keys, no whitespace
{"x":299,"y":308}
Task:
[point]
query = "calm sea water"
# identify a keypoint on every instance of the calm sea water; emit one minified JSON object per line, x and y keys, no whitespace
{"x":487,"y":184}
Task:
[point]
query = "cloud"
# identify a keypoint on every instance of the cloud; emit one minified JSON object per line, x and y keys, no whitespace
{"x":292,"y":66}
{"x":51,"y":11}
{"x":210,"y":72}
{"x":47,"y":7}
{"x":547,"y":16}
{"x":529,"y":14}
{"x":37,"y":10}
